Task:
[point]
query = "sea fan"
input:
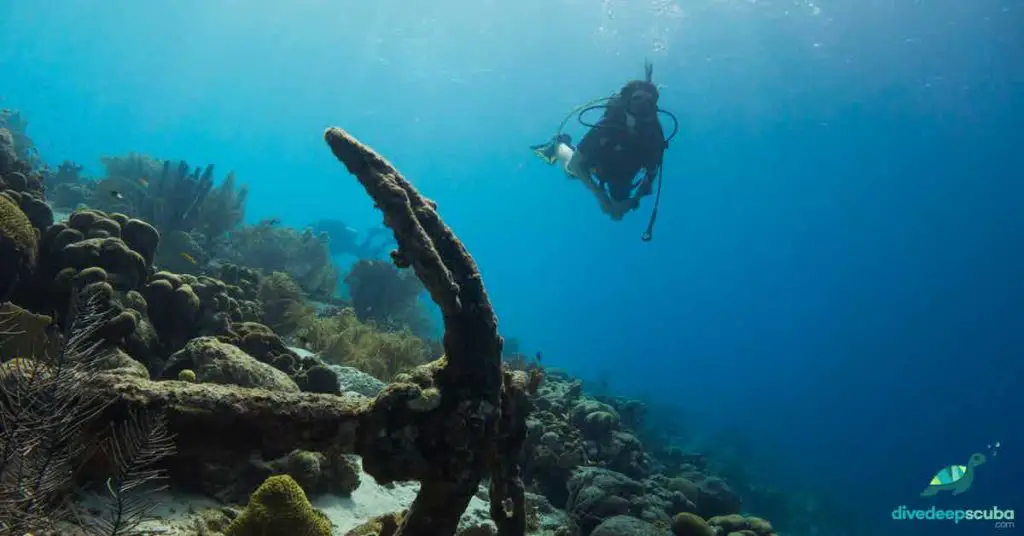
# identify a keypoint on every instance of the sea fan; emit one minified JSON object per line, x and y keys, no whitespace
{"x":44,"y":416}
{"x":134,"y":448}
{"x":43,"y":413}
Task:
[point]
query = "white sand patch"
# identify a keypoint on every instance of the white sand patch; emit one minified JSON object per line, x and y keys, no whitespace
{"x":172,"y":515}
{"x":371,"y":499}
{"x":176,"y":514}
{"x":302,"y":352}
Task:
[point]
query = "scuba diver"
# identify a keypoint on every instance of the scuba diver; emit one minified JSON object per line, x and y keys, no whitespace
{"x":626,"y":140}
{"x":344,"y":240}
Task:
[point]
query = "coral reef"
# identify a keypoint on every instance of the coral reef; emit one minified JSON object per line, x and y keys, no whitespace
{"x":449,"y":424}
{"x":114,"y":243}
{"x":14,"y":127}
{"x":283,"y":303}
{"x":199,"y":221}
{"x":190,"y":307}
{"x":23,"y":213}
{"x":342,"y":339}
{"x":193,"y":215}
{"x":213,"y":361}
{"x":173,"y":197}
{"x":300,"y":254}
{"x":190,"y":341}
{"x":243,"y":284}
{"x":596,"y":494}
{"x":387,"y":296}
{"x":51,"y":425}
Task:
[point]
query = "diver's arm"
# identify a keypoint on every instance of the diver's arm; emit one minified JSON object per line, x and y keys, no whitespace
{"x":651,"y":170}
{"x":647,"y":183}
{"x":652,"y":165}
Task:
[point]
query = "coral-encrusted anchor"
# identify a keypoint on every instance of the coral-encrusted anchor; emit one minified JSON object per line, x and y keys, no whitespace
{"x":480,"y":424}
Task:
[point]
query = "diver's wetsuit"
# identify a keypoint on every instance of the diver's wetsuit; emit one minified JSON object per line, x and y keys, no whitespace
{"x":616,"y":154}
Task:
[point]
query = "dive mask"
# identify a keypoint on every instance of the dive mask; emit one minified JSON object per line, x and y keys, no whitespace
{"x":643,"y":103}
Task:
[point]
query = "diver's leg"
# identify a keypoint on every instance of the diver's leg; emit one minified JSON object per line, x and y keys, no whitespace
{"x":621,"y":202}
{"x":606,"y":203}
{"x":578,"y":166}
{"x":599,"y":193}
{"x":564,"y":155}
{"x":618,"y":209}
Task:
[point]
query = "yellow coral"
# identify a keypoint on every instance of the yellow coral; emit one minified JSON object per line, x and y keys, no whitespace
{"x":280,"y":286}
{"x":279,"y":506}
{"x":25,"y":334}
{"x":687,"y":524}
{"x":187,"y":375}
{"x":18,"y":246}
{"x":284,"y":303}
{"x":16,"y":227}
{"x":737,"y":525}
{"x":20,"y":370}
{"x":759,"y":525}
{"x":731,"y":522}
{"x":345,"y":340}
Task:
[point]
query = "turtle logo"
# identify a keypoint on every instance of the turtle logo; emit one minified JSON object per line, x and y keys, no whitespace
{"x":955,"y":478}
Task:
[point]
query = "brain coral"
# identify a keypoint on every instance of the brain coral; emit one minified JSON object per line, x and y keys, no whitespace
{"x":18,"y":243}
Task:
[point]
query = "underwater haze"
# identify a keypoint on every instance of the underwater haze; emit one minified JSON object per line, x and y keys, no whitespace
{"x":834,"y":288}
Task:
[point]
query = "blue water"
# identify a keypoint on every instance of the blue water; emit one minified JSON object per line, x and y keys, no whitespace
{"x":836,"y":273}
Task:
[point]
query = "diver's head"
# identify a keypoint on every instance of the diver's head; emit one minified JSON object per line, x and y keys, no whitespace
{"x":641,"y":99}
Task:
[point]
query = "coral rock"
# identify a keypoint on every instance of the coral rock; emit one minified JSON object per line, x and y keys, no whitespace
{"x":37,"y":211}
{"x":318,"y":472}
{"x":717,"y":498}
{"x":91,"y":239}
{"x":382,"y":525}
{"x":687,"y":524}
{"x":735,"y":524}
{"x":279,"y":507}
{"x":24,"y":334}
{"x":598,"y":494}
{"x":221,"y":363}
{"x":190,"y":307}
{"x":627,"y":526}
{"x":141,"y":237}
{"x":8,"y":155}
{"x":354,"y":380}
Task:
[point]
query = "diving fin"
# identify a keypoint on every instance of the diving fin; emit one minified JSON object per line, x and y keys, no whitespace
{"x":546,"y":152}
